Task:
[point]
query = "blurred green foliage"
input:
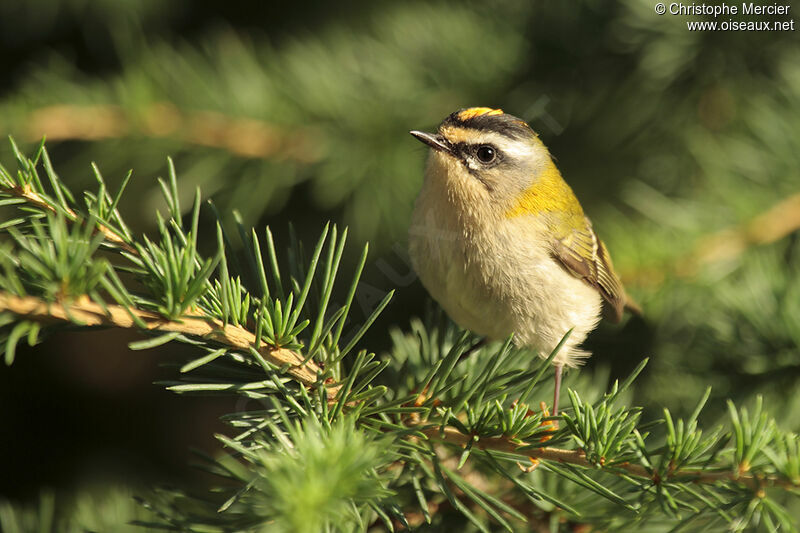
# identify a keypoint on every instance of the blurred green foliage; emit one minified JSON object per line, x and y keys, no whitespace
{"x":300,"y":114}
{"x":91,"y":509}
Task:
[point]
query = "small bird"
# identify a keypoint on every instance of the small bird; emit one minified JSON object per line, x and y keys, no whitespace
{"x":499,"y":239}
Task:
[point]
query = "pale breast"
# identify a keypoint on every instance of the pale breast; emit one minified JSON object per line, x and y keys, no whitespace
{"x":441,"y":261}
{"x":502,"y":282}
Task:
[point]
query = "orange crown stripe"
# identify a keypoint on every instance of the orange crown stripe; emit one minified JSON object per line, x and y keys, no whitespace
{"x":473,"y":112}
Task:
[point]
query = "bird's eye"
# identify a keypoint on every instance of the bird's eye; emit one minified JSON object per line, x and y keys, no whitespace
{"x":486,"y":153}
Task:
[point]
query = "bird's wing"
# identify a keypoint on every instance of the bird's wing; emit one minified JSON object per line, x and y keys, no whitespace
{"x":585,"y":256}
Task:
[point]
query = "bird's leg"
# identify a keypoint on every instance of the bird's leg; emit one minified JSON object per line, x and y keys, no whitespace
{"x":557,"y":392}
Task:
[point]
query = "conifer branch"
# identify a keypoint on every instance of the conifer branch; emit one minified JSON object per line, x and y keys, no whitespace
{"x":773,"y":224}
{"x":578,"y":457}
{"x":780,"y":220}
{"x":88,"y":313}
{"x":244,"y":137}
{"x":27,"y":193}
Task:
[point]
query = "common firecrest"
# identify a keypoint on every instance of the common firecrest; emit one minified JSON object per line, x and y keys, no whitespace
{"x":499,"y":239}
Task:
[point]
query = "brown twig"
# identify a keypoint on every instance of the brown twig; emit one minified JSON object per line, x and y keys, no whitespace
{"x":33,"y":198}
{"x":780,"y":220}
{"x":244,"y":137}
{"x":777,"y":222}
{"x":578,"y":457}
{"x":89,"y":313}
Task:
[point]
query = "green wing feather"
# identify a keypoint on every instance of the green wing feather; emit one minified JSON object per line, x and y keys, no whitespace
{"x":586,"y":257}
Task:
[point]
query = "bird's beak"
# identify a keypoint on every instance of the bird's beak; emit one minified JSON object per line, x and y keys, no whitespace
{"x":437,"y":142}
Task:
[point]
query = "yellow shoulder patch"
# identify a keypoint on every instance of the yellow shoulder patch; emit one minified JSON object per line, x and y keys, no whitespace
{"x":473,"y":112}
{"x":549,"y":194}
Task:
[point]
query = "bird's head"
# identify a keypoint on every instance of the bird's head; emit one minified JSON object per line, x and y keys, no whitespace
{"x":490,"y":160}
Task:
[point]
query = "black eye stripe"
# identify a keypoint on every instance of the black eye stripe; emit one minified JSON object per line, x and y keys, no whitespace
{"x":464,"y":149}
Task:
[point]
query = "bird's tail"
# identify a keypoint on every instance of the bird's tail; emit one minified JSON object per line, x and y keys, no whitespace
{"x":633,"y":307}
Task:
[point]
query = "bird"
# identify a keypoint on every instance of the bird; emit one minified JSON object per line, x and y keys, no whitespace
{"x":501,"y":242}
